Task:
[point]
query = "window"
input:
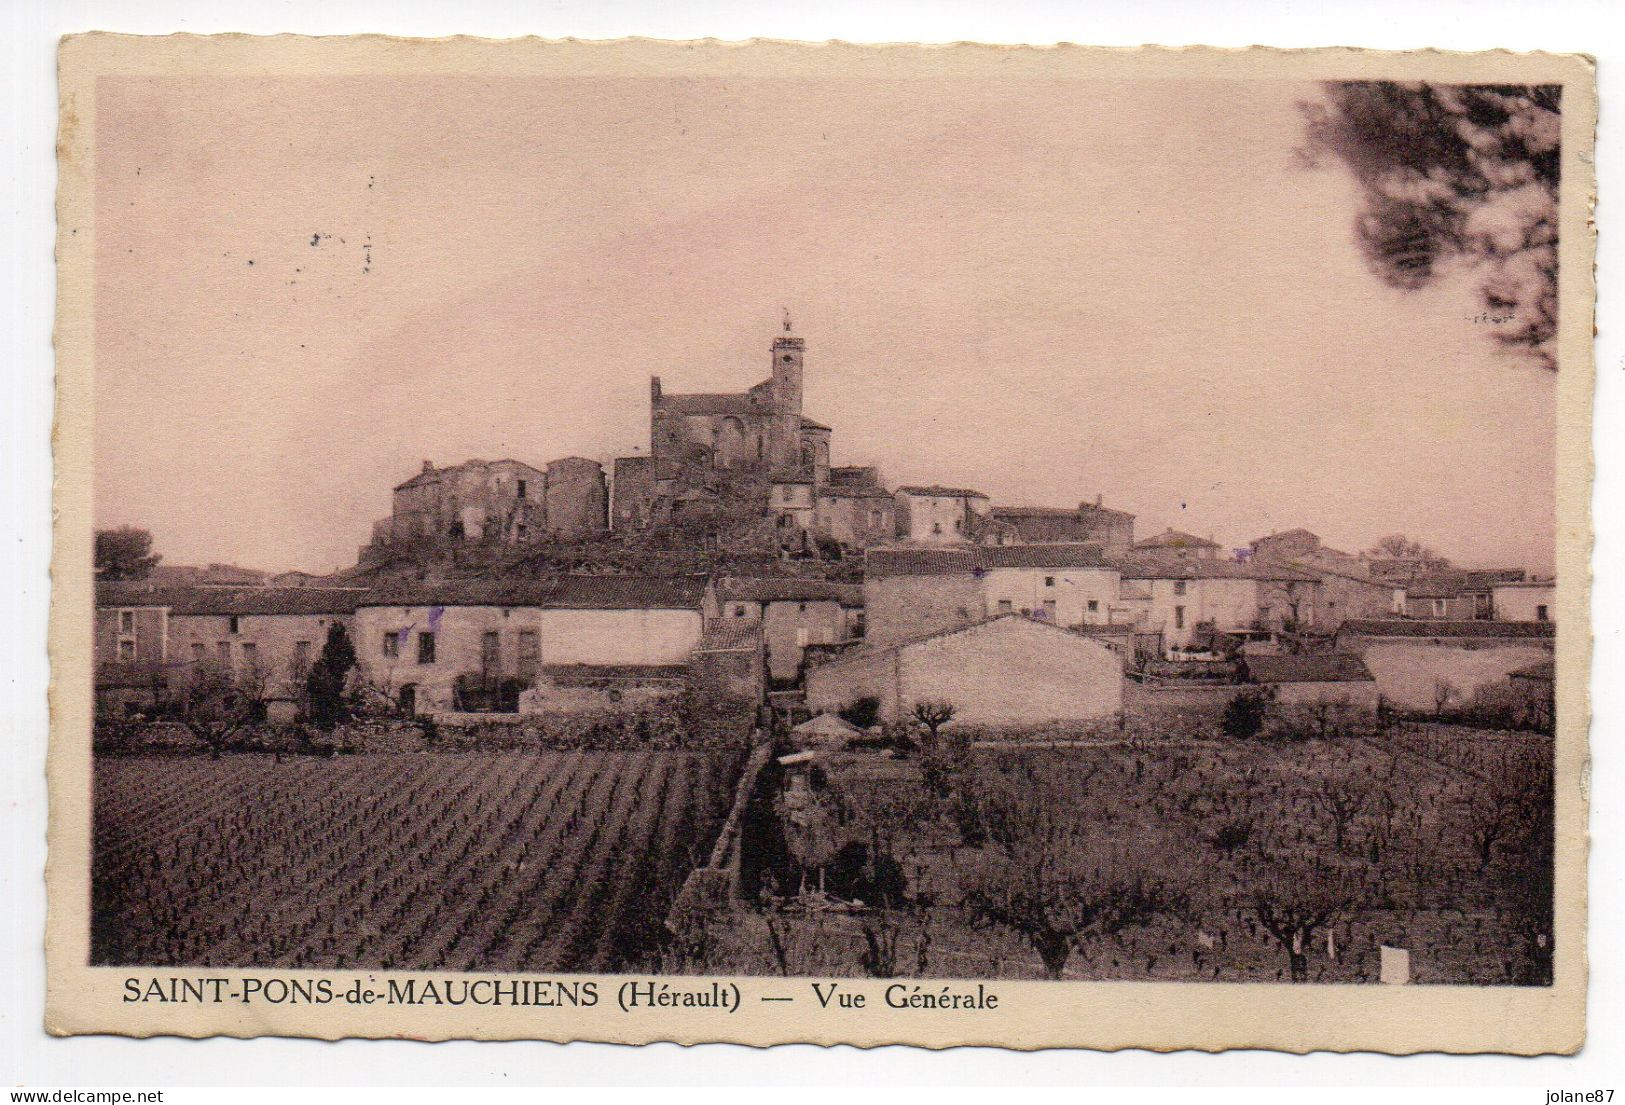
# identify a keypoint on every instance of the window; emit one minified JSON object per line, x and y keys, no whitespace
{"x":1049,"y":581}
{"x":236,"y":624}
{"x":1439,"y":608}
{"x":222,"y":653}
{"x":126,"y":649}
{"x":936,"y":527}
{"x":801,"y":608}
{"x":739,"y":610}
{"x":200,"y":652}
{"x":1047,"y":611}
{"x":1179,"y":617}
{"x":425,"y":648}
{"x":392,"y":644}
{"x":1006,"y":606}
{"x":1179,"y":587}
{"x":520,"y":485}
{"x":1541,"y":614}
{"x":301,"y":654}
{"x":530,"y":654}
{"x":251,"y":655}
{"x":126,"y":621}
{"x":490,"y":652}
{"x":1094,"y":606}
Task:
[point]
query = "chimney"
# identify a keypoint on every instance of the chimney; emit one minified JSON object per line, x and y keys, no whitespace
{"x":1100,"y":497}
{"x":428,"y":466}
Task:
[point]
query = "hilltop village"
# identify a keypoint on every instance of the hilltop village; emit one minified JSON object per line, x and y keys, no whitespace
{"x":736,"y":556}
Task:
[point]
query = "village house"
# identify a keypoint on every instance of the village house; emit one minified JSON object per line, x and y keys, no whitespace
{"x":424,"y":644}
{"x":632,"y":491}
{"x":1112,"y":530}
{"x":1068,"y":585}
{"x":910,"y":591}
{"x":266,"y":636}
{"x":1176,"y":597}
{"x":731,"y":659}
{"x":1003,"y":672}
{"x":790,"y":499}
{"x":855,"y":515}
{"x":939,"y":515}
{"x":793,"y":613}
{"x":1347,"y":589}
{"x":1317,"y":677}
{"x":1452,"y":595}
{"x":1526,"y":600}
{"x":1416,"y":662}
{"x":1178,"y":545}
{"x":502,"y":501}
{"x":1398,"y":569}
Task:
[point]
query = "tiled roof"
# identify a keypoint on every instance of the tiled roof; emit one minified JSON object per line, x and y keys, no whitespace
{"x":1073,"y":555}
{"x":575,"y":592}
{"x":1322,"y":667}
{"x":1449,"y":584}
{"x":732,"y":402}
{"x":1174,"y":539}
{"x":918,"y":562}
{"x":586,"y":675}
{"x":961,"y":561}
{"x":201,"y":601}
{"x":1086,"y":512}
{"x":787,"y":589}
{"x":809,"y":424}
{"x":1164,"y":567}
{"x":731,"y":635}
{"x":937,"y":492}
{"x":1293,"y":533}
{"x":1407,"y":627}
{"x":1545,"y":670}
{"x":852,"y":491}
{"x":615,"y":592}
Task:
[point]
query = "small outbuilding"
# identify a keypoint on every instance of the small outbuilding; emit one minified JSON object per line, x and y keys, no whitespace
{"x":1010,"y":670}
{"x":825,"y":731}
{"x":1313,"y":677}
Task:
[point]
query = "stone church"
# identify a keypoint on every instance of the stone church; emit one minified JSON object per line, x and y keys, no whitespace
{"x":697,"y":440}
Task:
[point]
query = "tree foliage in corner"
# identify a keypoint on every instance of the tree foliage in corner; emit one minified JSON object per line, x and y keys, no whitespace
{"x":124,"y":553}
{"x":1456,"y":173}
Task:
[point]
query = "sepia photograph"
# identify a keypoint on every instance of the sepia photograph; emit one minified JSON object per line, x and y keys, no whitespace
{"x":880,"y":522}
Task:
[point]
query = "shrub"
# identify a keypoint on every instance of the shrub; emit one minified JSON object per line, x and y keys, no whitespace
{"x":1245,"y":714}
{"x":863,"y":713}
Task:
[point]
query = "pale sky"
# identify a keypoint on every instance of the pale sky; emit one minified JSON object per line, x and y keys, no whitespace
{"x":1044,"y":291}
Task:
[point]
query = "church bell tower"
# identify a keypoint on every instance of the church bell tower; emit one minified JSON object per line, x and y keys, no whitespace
{"x":787,"y":354}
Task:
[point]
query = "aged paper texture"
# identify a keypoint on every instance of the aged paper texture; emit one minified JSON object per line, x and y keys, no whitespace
{"x":960,"y":545}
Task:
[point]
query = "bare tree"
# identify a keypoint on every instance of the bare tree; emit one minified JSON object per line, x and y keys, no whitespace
{"x":1045,"y":879}
{"x":216,"y":704}
{"x":1400,"y":547}
{"x":1343,"y":800}
{"x":933,"y":714}
{"x":1295,"y":902}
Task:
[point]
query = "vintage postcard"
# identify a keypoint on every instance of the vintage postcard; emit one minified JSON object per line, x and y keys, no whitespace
{"x":771,"y":542}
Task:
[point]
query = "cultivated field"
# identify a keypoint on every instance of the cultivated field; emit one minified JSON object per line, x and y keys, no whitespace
{"x":553,"y":861}
{"x":1177,"y":860}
